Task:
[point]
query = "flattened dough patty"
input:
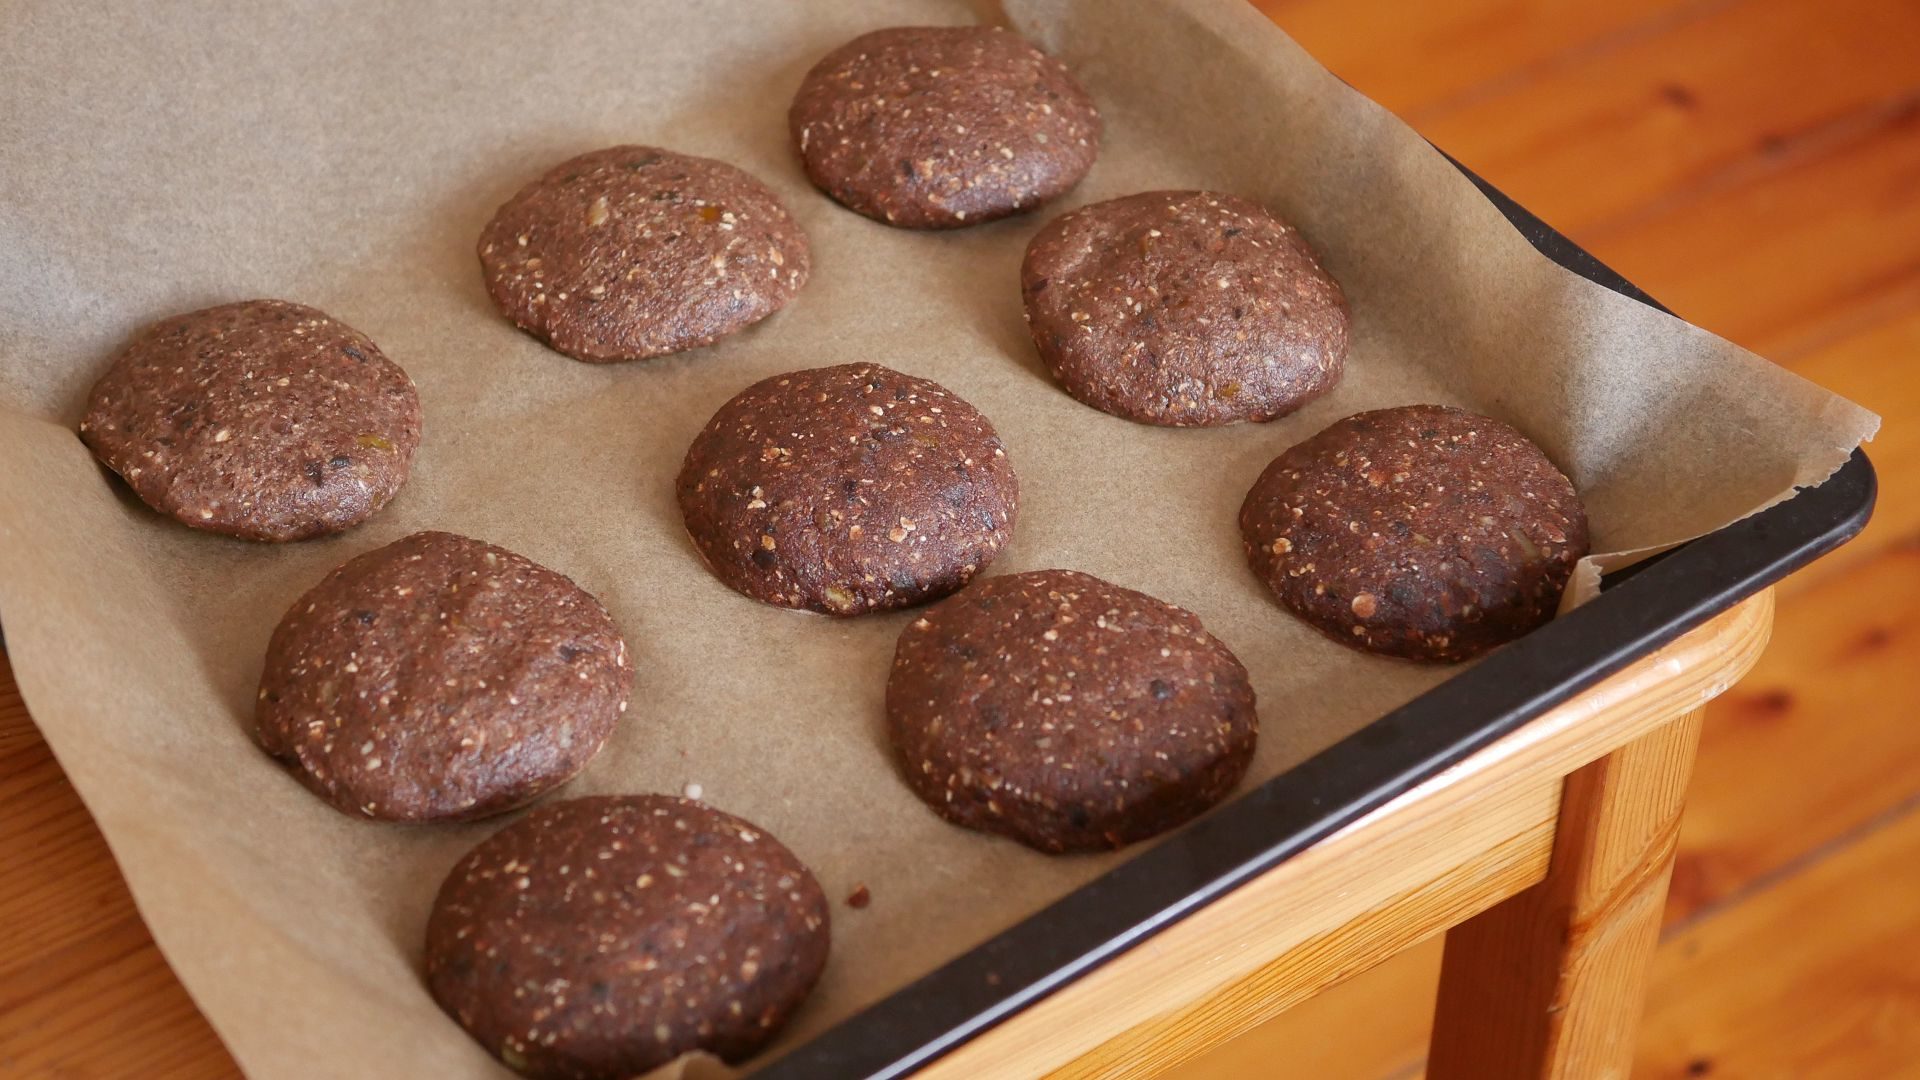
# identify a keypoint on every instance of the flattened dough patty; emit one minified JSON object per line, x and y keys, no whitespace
{"x":634,"y":251}
{"x":602,"y":937}
{"x":441,"y":678}
{"x":264,"y":419}
{"x":1184,"y":308}
{"x":937,"y":127}
{"x":1425,"y":532}
{"x":1067,"y":712}
{"x":847,"y":489}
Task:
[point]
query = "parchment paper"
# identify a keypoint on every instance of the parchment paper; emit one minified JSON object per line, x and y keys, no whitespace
{"x":162,"y":157}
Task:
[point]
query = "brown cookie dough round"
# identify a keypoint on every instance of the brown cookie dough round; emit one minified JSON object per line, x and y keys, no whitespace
{"x":1183,"y":308}
{"x":634,"y":251}
{"x":602,"y":937}
{"x":1067,"y":712}
{"x":439,"y":678}
{"x":264,"y":419}
{"x":847,"y":489}
{"x":1424,"y":531}
{"x":936,"y":127}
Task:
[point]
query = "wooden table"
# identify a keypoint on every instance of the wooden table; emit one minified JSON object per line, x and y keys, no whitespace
{"x":1545,"y":859}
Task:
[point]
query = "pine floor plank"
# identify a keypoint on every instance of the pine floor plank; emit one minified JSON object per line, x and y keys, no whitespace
{"x":1660,"y":144}
{"x":1417,"y":58}
{"x":1700,"y":104}
{"x":1791,"y":257}
{"x":1818,"y":742}
{"x":1877,"y":365}
{"x":1814,"y":979}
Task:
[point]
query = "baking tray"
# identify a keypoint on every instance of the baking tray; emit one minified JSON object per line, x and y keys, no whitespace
{"x":1638,"y":610}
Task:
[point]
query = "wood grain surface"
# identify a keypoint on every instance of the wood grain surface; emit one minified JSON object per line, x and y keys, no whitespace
{"x":1756,"y":165}
{"x":1550,"y":983}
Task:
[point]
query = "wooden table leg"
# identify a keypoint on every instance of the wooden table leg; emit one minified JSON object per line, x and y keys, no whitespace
{"x":1551,"y":983}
